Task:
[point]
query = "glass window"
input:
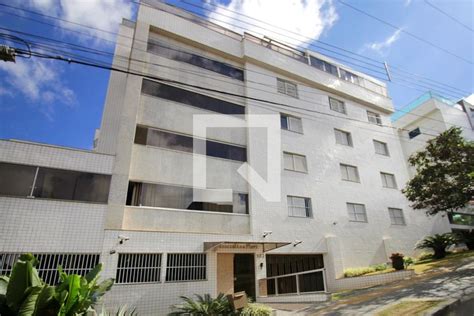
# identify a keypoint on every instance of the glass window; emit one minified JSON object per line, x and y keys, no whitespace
{"x":72,"y":185}
{"x":299,"y":206}
{"x":356,"y":212}
{"x":349,"y":173}
{"x":184,"y":143}
{"x":396,"y":216}
{"x":374,"y":118}
{"x":381,"y":148}
{"x":287,"y":87}
{"x":323,"y":65}
{"x":178,"y":197}
{"x":182,"y":267}
{"x":138,"y":268}
{"x":337,"y":105}
{"x":183,"y":96}
{"x":291,"y":123}
{"x":196,"y":60}
{"x":349,"y":76}
{"x":461,"y":219}
{"x":294,"y":162}
{"x":343,"y":138}
{"x":16,"y":180}
{"x":388,"y":180}
{"x":414,"y":133}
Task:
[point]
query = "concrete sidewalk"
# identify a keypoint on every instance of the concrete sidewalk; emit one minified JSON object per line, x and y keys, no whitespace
{"x":448,"y":284}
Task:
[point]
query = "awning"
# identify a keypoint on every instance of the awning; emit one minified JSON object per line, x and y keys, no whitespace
{"x":267,"y":246}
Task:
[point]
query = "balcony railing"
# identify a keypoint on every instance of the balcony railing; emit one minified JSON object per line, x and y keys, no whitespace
{"x":294,"y":283}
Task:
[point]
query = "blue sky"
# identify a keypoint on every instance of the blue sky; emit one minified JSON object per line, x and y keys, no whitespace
{"x":53,"y":102}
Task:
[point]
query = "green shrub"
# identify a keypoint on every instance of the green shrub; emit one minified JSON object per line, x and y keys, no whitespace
{"x":425,"y":256}
{"x":354,"y":272}
{"x":408,"y":261}
{"x":203,"y":306}
{"x":254,"y":309}
{"x":438,"y":243}
{"x":380,"y":267}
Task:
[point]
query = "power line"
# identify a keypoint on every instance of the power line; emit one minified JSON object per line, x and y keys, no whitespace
{"x":201,"y":74}
{"x":87,"y":34}
{"x":449,"y":16}
{"x":404,"y":31}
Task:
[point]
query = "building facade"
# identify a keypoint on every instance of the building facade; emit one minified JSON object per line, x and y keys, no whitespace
{"x":132,"y":202}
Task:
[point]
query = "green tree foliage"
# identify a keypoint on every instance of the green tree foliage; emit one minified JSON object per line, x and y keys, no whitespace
{"x":444,"y":180}
{"x":25,"y":294}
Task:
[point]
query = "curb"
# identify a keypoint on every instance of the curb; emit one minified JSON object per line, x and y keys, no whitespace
{"x":450,"y":306}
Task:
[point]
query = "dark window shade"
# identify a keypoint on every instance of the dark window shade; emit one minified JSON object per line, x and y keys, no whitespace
{"x":414,"y":133}
{"x":184,"y":143}
{"x":16,"y":180}
{"x":201,"y":101}
{"x":286,"y":264}
{"x":196,"y":60}
{"x":72,"y":185}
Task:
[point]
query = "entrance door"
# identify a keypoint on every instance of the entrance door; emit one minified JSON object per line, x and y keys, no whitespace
{"x":244,"y":274}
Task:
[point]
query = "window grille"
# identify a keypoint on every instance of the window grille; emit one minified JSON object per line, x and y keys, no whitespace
{"x":287,"y":87}
{"x":72,"y":263}
{"x":138,"y":268}
{"x":181,"y":267}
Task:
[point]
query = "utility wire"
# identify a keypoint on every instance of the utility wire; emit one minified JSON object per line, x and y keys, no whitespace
{"x":405,"y":31}
{"x":113,"y":33}
{"x":449,"y":16}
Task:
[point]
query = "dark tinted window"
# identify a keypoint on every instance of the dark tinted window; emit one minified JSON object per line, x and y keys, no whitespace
{"x":196,"y":60}
{"x":72,"y":185}
{"x":323,"y":65}
{"x":170,"y":196}
{"x":184,"y":143}
{"x":287,"y":264}
{"x":414,"y":133}
{"x":284,"y":121}
{"x":16,"y":180}
{"x":141,"y":135}
{"x":201,"y":101}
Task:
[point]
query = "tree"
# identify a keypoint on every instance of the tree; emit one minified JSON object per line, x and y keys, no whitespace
{"x":444,"y":180}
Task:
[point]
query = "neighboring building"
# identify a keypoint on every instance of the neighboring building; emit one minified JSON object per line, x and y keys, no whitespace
{"x":343,"y":167}
{"x":431,"y":114}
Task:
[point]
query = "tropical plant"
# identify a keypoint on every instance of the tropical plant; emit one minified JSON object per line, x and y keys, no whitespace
{"x":444,"y":179}
{"x":24,"y":293}
{"x":121,"y":311}
{"x":254,"y":309}
{"x":397,"y":261}
{"x":438,"y":243}
{"x":408,"y":261}
{"x":203,"y":306}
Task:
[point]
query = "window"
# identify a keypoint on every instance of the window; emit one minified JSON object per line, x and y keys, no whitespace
{"x":396,"y":216}
{"x":72,"y":263}
{"x":191,"y":98}
{"x":291,"y":123}
{"x":414,"y":133}
{"x":381,"y":148}
{"x":138,"y":268}
{"x":356,"y":212}
{"x":461,"y":219}
{"x":388,"y":180}
{"x":337,"y":105}
{"x":287,"y":87}
{"x":349,"y":173}
{"x":196,"y":60}
{"x":294,"y":162}
{"x":158,"y":138}
{"x":349,"y":76}
{"x":323,"y":65}
{"x":185,"y":267}
{"x":16,"y":180}
{"x":49,"y":183}
{"x":343,"y":138}
{"x":374,"y":118}
{"x":299,"y":206}
{"x":178,"y":197}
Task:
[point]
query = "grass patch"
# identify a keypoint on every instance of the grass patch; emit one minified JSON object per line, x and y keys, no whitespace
{"x":340,"y":295}
{"x":450,"y":260}
{"x":409,"y":308}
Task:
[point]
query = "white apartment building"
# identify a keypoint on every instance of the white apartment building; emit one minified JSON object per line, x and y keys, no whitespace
{"x":129,"y":203}
{"x":431,"y":114}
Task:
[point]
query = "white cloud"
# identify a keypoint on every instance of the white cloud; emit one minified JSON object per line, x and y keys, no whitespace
{"x":39,"y":81}
{"x":290,"y":21}
{"x":383,"y":46}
